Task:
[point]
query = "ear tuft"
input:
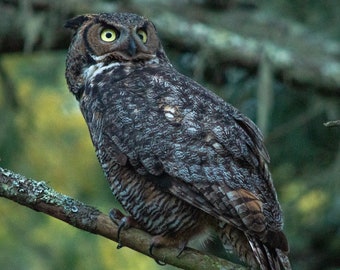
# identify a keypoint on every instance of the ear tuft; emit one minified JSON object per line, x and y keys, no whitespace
{"x":76,"y":22}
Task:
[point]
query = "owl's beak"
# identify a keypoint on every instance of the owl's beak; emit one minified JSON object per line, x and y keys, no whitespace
{"x":132,"y":47}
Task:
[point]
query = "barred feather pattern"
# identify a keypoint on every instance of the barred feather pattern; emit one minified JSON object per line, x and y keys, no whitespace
{"x":252,"y":251}
{"x":143,"y":199}
{"x":179,"y":159}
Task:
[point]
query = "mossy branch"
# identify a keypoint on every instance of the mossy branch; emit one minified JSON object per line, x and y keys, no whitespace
{"x":39,"y":196}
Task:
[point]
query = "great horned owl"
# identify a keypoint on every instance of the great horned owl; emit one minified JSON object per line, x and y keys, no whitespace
{"x":179,"y":159}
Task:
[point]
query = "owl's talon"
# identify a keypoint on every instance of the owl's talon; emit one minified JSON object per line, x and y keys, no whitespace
{"x":121,"y":226}
{"x":160,"y":262}
{"x":151,"y":254}
{"x":151,"y":248}
{"x":182,"y":248}
{"x":123,"y":222}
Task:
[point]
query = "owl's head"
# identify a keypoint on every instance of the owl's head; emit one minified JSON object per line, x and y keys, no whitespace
{"x":110,"y":38}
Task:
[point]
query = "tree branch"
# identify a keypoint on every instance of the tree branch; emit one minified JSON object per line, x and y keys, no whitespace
{"x":298,"y":56}
{"x":288,"y":62}
{"x":335,"y":123}
{"x":40,"y":197}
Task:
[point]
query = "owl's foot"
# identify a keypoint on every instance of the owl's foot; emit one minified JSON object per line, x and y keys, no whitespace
{"x":123,"y":222}
{"x":158,"y":241}
{"x":151,"y":254}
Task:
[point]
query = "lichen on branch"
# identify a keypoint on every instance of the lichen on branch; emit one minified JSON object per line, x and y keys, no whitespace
{"x":38,"y":196}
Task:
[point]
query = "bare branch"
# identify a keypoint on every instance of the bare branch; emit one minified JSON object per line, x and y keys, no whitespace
{"x":335,"y":123}
{"x":298,"y":56}
{"x":40,"y":197}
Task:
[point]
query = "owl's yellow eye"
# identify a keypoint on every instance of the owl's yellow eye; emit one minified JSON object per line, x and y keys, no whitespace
{"x":108,"y":35}
{"x":142,"y":35}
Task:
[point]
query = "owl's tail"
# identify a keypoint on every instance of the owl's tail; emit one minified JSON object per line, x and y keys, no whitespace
{"x":252,"y":251}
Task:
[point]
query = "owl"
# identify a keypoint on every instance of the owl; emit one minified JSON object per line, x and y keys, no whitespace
{"x":182,"y":162}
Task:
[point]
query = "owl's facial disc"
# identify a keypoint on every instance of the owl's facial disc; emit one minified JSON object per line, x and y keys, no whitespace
{"x":122,"y":44}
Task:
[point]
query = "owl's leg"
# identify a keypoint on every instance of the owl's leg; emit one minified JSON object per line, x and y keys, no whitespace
{"x":123,"y":222}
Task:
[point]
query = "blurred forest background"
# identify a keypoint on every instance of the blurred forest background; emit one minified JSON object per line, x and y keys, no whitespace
{"x":277,"y":61}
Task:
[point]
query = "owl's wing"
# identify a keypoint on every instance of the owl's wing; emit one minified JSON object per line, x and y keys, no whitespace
{"x":213,"y":154}
{"x":223,"y":170}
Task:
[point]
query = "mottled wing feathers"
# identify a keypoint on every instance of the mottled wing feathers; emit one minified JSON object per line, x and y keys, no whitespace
{"x":209,"y":148}
{"x":238,"y":207}
{"x":255,"y":138}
